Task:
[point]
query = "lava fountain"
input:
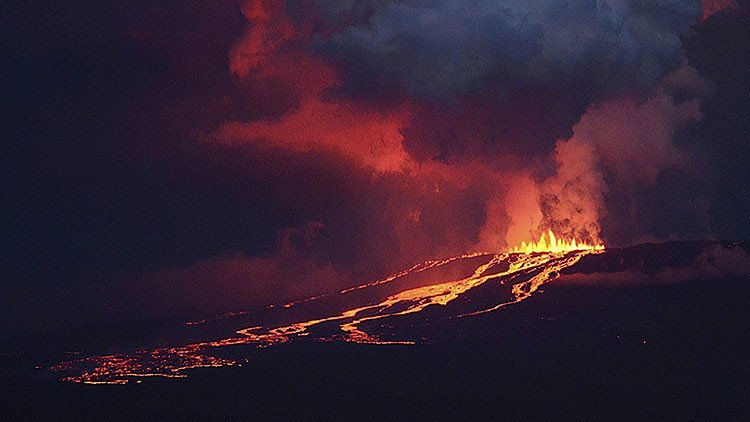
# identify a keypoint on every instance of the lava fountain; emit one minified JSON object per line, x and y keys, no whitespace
{"x":548,"y":242}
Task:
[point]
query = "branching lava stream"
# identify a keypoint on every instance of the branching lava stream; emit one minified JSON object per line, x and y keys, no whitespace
{"x":527,"y":270}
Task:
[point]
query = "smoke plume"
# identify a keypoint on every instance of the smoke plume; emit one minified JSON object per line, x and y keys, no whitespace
{"x":400,"y":130}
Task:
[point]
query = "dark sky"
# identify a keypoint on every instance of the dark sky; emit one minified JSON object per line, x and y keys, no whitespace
{"x":184,"y":158}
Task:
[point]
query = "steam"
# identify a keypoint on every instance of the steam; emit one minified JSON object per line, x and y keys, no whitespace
{"x":573,"y":200}
{"x":622,"y":144}
{"x":420,"y":91}
{"x":432,"y":104}
{"x":570,"y":203}
{"x":413,"y":129}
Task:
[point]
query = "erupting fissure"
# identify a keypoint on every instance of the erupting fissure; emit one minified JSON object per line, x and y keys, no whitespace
{"x":524,"y":271}
{"x":548,"y":242}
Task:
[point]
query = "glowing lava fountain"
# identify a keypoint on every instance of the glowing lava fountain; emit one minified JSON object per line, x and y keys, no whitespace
{"x":516,"y":276}
{"x":548,"y":242}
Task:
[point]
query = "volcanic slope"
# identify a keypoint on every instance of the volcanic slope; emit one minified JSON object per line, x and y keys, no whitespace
{"x":430,"y":302}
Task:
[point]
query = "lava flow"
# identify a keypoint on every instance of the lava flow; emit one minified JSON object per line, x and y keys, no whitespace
{"x":520,"y":272}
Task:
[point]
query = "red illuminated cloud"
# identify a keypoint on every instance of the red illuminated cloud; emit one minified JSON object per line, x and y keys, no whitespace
{"x":268,"y":52}
{"x":437,"y":142}
{"x":712,"y":7}
{"x":370,"y":138}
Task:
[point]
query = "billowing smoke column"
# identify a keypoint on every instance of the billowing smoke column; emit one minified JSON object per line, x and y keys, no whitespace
{"x":271,"y":150}
{"x":413,"y":130}
{"x":546,"y":100}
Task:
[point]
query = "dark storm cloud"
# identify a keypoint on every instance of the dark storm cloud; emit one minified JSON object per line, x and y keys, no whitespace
{"x":113,"y":202}
{"x":498,"y":77}
{"x":443,"y":49}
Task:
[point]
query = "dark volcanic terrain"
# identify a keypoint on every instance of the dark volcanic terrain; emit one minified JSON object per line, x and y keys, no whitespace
{"x":650,"y":331}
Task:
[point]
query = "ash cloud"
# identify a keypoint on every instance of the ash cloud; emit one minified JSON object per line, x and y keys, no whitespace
{"x":155,"y":145}
{"x":498,"y":82}
{"x":622,"y":154}
{"x":444,"y":49}
{"x":572,"y":202}
{"x":503,"y":77}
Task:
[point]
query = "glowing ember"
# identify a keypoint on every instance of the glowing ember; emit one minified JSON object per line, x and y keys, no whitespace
{"x":548,"y":242}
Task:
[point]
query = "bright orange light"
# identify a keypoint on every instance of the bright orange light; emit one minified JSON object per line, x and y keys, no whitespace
{"x":174,"y":362}
{"x":548,"y":242}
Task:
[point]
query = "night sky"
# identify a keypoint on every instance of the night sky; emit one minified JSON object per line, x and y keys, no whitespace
{"x":178,"y":159}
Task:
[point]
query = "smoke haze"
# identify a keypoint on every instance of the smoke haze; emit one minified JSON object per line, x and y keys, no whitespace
{"x":261,"y":151}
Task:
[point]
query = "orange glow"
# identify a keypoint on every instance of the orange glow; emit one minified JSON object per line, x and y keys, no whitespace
{"x":548,"y":242}
{"x":371,"y":137}
{"x":351,"y":325}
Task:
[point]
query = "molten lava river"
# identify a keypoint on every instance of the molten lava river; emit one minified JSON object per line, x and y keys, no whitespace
{"x":382,"y":309}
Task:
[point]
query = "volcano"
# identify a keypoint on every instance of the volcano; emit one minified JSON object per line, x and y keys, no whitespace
{"x":646,"y":331}
{"x":375,"y":210}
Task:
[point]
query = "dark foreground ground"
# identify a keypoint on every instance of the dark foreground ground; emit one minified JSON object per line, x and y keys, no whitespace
{"x":624,"y":350}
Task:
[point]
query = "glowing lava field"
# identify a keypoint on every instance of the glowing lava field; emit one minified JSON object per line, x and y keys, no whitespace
{"x":472,"y":335}
{"x":516,"y":276}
